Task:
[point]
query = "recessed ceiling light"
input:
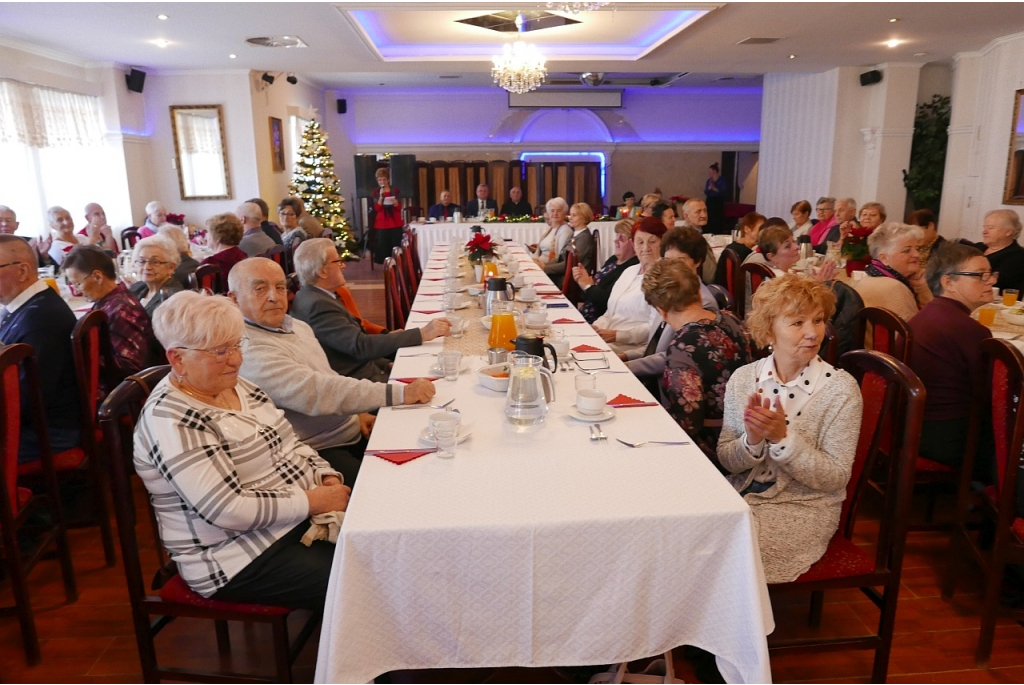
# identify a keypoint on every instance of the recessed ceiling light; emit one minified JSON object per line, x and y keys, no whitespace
{"x":792,"y":56}
{"x":232,"y":56}
{"x":920,"y":54}
{"x":162,"y":17}
{"x":894,"y":20}
{"x":160,"y":42}
{"x":892,"y":43}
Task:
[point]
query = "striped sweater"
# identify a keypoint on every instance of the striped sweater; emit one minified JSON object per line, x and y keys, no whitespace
{"x":225,"y":485}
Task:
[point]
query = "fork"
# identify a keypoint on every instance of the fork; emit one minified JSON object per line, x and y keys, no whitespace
{"x":651,"y":442}
{"x":424,"y":406}
{"x":596,"y":433}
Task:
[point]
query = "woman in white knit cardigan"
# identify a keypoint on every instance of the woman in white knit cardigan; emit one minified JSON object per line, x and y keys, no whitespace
{"x":790,"y":427}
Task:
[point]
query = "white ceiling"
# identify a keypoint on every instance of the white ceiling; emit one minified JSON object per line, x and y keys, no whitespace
{"x":202,"y":35}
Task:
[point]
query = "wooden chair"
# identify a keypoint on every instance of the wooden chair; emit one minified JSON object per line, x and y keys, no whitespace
{"x":759,"y":273}
{"x":829,"y":346}
{"x":392,"y":296}
{"x":722,"y":297}
{"x":889,"y":333}
{"x":408,"y":270}
{"x":997,"y":504}
{"x":414,"y":250}
{"x":129,"y":237}
{"x":597,"y":250}
{"x":280,"y":254}
{"x":570,"y":288}
{"x":150,"y":614}
{"x":17,"y":504}
{"x":733,"y":281}
{"x":405,"y":298}
{"x":844,"y":564}
{"x":208,"y":277}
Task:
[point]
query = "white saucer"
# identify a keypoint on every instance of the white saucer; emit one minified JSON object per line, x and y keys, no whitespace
{"x":435,"y":370}
{"x":608,"y":413}
{"x":463,"y":305}
{"x":528,"y":301}
{"x":538,"y":326}
{"x":427,"y":439}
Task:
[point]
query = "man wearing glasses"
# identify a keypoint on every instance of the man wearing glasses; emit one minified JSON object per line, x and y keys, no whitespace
{"x":350,"y":349}
{"x":32,"y":313}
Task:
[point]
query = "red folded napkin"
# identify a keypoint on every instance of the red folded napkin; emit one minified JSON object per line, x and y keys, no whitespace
{"x":415,"y":378}
{"x":621,"y":400}
{"x":429,"y":294}
{"x":428,"y":311}
{"x":433,"y":279}
{"x":400,"y":456}
{"x":587,"y":348}
{"x":550,"y":297}
{"x":564,"y":320}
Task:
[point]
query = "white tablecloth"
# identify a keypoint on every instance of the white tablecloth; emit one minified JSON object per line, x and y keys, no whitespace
{"x":535,"y":547}
{"x":521,"y":234}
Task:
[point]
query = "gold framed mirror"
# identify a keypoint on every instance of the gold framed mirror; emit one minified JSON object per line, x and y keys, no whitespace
{"x":1014,"y":191}
{"x":200,"y":152}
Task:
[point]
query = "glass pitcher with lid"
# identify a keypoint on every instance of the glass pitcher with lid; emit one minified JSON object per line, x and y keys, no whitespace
{"x":530,"y":388}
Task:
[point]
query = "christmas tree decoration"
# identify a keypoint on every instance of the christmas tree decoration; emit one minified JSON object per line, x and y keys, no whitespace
{"x":316,"y":184}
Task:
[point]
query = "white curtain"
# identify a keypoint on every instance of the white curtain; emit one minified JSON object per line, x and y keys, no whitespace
{"x":198,"y":133}
{"x":43,"y":117}
{"x":53,"y":152}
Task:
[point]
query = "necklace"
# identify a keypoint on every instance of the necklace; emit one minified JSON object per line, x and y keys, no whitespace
{"x":213,"y":398}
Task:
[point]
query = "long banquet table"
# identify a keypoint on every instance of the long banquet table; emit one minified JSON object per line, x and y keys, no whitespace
{"x":535,"y":547}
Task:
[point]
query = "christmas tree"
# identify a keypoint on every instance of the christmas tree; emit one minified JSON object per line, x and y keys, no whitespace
{"x":316,"y":185}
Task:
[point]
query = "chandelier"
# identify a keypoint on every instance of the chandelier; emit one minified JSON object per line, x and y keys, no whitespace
{"x":576,"y":7}
{"x":520,"y":68}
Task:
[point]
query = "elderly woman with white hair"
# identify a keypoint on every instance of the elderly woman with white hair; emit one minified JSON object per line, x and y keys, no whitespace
{"x":156,"y":216}
{"x":232,"y":487}
{"x":62,"y":228}
{"x":999,"y":235}
{"x":155,"y":259}
{"x":187,"y":263}
{"x":894,"y":279}
{"x":558,"y":234}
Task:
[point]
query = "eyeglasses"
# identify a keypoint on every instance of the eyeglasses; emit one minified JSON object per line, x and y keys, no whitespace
{"x":152,"y":262}
{"x":222,"y":352}
{"x":289,"y":213}
{"x":983,"y":275}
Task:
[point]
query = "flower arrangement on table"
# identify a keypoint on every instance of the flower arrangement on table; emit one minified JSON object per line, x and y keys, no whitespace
{"x":678,"y":199}
{"x":506,"y":219}
{"x":480,"y":246}
{"x":855,"y":245}
{"x":176,"y":219}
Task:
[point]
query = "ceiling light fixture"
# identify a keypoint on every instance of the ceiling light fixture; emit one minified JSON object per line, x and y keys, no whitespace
{"x":232,"y":56}
{"x":792,"y":56}
{"x":520,"y":68}
{"x":920,"y":54}
{"x":575,"y":7}
{"x":892,"y":43}
{"x":894,"y":20}
{"x":162,"y":17}
{"x":160,"y":42}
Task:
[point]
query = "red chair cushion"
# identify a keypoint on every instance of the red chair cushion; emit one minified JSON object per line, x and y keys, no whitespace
{"x":68,"y":460}
{"x":177,"y":591}
{"x":842,"y":559}
{"x":24,"y":495}
{"x":932,"y":466}
{"x":1018,"y":528}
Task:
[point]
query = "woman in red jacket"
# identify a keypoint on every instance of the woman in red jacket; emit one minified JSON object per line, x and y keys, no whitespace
{"x":387,"y":217}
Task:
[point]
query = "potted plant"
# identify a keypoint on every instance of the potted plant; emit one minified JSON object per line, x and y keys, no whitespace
{"x":923,"y":180}
{"x":478,"y":247}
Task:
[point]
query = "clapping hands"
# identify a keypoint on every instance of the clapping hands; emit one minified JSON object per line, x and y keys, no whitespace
{"x":762,"y":422}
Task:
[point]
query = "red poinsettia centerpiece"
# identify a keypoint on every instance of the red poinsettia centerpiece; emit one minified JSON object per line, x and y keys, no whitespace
{"x":855,"y":245}
{"x":479,"y":247}
{"x":176,"y":219}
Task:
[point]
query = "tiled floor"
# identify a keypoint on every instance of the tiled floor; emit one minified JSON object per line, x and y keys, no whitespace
{"x":92,"y":640}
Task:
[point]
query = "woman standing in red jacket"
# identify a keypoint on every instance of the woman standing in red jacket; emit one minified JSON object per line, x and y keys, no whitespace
{"x":387,"y":217}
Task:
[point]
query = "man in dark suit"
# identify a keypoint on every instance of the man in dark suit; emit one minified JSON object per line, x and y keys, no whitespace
{"x":32,"y":313}
{"x":482,"y":203}
{"x":445,"y":208}
{"x":350,"y":350}
{"x":516,"y":206}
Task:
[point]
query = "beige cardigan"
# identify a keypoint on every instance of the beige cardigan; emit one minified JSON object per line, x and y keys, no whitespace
{"x":882,"y":291}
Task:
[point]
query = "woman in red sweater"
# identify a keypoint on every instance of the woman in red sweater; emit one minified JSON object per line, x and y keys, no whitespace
{"x":387,"y":217}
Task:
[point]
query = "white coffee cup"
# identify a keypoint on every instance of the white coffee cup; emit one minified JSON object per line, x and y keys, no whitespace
{"x":591,"y":402}
{"x":561,"y":348}
{"x":537,"y":318}
{"x":518,"y":280}
{"x":527,"y":292}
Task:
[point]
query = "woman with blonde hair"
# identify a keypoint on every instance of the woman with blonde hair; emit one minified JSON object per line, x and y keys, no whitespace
{"x":790,"y":427}
{"x":894,"y":279}
{"x":581,"y":243}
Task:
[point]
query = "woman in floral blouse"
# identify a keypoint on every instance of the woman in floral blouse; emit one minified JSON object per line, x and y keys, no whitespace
{"x":708,"y":346}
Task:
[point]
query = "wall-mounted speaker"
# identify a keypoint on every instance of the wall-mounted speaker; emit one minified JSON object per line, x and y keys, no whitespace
{"x":136,"y":80}
{"x":870,"y":77}
{"x":366,"y":175}
{"x":342,"y":106}
{"x":403,"y":174}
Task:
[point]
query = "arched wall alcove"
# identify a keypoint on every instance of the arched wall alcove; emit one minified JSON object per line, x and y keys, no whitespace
{"x":560,"y":125}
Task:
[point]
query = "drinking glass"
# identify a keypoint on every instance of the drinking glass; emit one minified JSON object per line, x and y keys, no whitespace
{"x":451,"y":284}
{"x":449,"y":361}
{"x":1010,"y":297}
{"x":444,"y":427}
{"x":585,"y":381}
{"x":986,"y":316}
{"x":458,"y":325}
{"x":451,"y":301}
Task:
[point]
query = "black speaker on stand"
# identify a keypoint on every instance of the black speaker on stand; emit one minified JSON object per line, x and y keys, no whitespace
{"x":403,"y":175}
{"x":366,"y":170}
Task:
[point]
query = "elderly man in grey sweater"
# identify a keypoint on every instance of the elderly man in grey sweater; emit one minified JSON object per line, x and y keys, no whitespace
{"x":350,"y":350}
{"x":283,"y":357}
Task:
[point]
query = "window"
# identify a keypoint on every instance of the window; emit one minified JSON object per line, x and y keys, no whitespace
{"x":297,"y":124}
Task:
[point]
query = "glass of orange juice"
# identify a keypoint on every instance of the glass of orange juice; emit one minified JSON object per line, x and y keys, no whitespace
{"x":52,"y":282}
{"x":1010,"y":297}
{"x":489,"y":269}
{"x":986,"y":316}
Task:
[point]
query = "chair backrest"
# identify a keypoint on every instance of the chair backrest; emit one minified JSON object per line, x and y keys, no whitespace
{"x":392,"y":296}
{"x":570,"y":288}
{"x":733,"y":280}
{"x":597,"y":248}
{"x":398,"y":255}
{"x":117,"y":416}
{"x":1006,"y":367}
{"x":279,"y":253}
{"x":408,"y":270}
{"x":414,"y":251}
{"x":889,"y":333}
{"x":17,"y":365}
{"x":829,"y":350}
{"x":129,"y":237}
{"x":759,"y":273}
{"x":901,"y":411}
{"x":722,"y":297}
{"x":209,"y":277}
{"x":94,"y":361}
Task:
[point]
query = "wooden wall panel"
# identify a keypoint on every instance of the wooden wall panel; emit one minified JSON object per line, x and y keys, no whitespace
{"x":562,"y":183}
